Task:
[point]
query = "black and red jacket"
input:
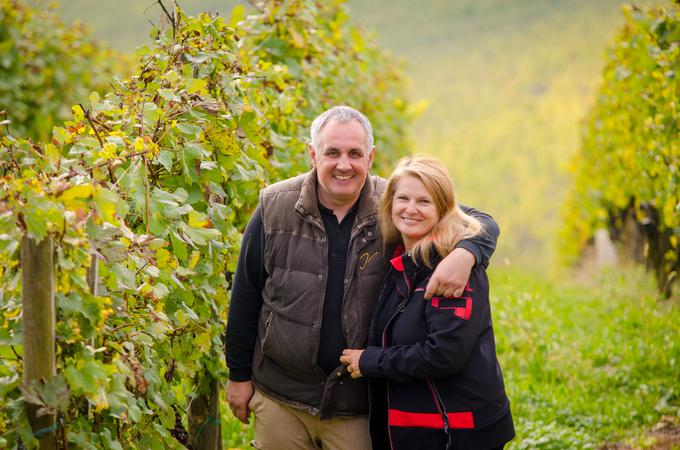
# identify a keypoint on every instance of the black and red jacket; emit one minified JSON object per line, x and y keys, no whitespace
{"x":434,"y":379}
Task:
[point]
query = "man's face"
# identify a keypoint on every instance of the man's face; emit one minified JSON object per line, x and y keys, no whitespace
{"x":342,"y":162}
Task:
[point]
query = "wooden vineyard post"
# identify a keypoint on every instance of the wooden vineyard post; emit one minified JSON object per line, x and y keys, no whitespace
{"x":37,"y":293}
{"x":204,"y":419}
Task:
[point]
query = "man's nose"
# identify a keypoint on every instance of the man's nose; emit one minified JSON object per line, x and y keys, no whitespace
{"x":343,"y":163}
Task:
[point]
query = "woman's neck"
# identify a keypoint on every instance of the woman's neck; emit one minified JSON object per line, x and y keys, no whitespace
{"x":408,"y":244}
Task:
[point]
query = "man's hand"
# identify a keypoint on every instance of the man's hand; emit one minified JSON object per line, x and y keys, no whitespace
{"x":451,"y":275}
{"x":239,"y":394}
{"x":350,"y":357}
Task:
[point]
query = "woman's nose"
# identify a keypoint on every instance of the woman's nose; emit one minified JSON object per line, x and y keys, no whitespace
{"x":411,"y":207}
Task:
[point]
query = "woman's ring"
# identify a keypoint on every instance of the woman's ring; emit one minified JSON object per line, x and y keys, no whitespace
{"x":349,"y":369}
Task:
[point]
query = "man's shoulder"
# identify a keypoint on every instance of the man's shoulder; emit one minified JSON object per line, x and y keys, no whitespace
{"x":293,"y":184}
{"x":379,"y":184}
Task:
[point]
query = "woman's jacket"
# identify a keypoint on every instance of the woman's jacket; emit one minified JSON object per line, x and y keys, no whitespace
{"x":433,"y":373}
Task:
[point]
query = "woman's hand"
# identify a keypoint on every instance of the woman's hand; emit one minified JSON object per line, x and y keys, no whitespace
{"x":350,"y":357}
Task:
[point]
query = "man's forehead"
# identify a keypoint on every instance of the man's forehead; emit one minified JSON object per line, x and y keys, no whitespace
{"x":343,"y":132}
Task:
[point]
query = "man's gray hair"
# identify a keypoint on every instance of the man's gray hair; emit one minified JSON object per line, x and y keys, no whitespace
{"x":341,"y":114}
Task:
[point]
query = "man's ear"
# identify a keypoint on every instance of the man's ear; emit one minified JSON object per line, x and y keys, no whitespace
{"x":371,"y":154}
{"x":312,"y":155}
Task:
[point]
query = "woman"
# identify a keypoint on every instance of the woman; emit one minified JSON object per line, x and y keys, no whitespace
{"x":435,"y":382}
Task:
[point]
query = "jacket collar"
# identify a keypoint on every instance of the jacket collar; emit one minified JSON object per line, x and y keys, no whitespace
{"x":308,"y":203}
{"x":414,"y":271}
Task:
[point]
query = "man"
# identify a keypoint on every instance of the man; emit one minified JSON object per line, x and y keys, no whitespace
{"x":310,"y":266}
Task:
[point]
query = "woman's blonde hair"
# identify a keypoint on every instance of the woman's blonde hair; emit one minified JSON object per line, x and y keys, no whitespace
{"x":454,"y":225}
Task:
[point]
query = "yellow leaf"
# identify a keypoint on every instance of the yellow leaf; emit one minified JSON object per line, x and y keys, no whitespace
{"x":74,"y":197}
{"x":100,"y":401}
{"x":78,"y":113}
{"x":198,"y":220}
{"x":139,"y":144}
{"x":195,"y":256}
{"x":202,"y":341}
{"x":195,"y":85}
{"x":108,"y":151}
{"x":165,"y":259}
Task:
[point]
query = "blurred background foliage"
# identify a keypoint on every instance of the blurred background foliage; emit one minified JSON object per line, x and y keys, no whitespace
{"x":502,"y":86}
{"x":627,"y":174}
{"x":518,"y":98}
{"x":46,"y":65}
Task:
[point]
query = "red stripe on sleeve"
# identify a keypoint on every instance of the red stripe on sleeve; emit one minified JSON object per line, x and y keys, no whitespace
{"x":399,"y":418}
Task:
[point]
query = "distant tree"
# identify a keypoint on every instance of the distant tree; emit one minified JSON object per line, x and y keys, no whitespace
{"x":46,"y":66}
{"x":627,"y":174}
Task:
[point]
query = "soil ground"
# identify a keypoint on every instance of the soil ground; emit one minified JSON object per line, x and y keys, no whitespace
{"x":663,"y":436}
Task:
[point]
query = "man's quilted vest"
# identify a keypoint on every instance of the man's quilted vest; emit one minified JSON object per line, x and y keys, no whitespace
{"x":296,"y":261}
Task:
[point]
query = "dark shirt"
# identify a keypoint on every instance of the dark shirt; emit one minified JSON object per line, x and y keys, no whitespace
{"x":332,"y":341}
{"x":250,"y":277}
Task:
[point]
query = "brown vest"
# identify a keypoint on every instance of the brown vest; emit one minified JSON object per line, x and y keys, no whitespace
{"x":296,"y":261}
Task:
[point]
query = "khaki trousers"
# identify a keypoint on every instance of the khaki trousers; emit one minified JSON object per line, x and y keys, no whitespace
{"x":278,"y":426}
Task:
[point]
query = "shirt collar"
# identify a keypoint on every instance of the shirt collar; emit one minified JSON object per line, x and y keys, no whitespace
{"x":352,"y":210}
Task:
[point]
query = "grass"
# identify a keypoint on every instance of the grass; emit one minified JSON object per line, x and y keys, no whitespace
{"x":584,"y":364}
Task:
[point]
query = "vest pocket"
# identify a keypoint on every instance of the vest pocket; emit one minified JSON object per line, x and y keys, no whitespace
{"x":267,"y":331}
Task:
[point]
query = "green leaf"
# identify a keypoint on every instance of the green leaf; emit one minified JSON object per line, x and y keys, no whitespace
{"x":178,"y":246}
{"x":238,"y":13}
{"x":56,"y":393}
{"x":85,"y":378}
{"x":165,"y":158}
{"x":160,"y":290}
{"x":169,"y":95}
{"x":200,"y":236}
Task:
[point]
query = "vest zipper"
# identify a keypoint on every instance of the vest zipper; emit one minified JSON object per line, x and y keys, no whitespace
{"x":323,"y":299}
{"x":350,"y":270}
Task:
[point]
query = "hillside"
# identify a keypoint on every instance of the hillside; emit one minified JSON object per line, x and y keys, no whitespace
{"x":507,"y":83}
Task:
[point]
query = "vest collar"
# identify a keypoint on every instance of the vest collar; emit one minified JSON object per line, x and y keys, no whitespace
{"x":307,"y":203}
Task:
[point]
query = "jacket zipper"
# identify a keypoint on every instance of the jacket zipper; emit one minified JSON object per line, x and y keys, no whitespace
{"x":400,"y":308}
{"x":439,"y":403}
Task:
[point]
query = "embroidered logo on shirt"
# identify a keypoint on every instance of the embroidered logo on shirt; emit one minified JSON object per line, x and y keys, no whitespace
{"x":364,"y":259}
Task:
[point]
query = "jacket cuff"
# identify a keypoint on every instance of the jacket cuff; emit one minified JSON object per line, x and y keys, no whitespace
{"x":369,"y":362}
{"x":472,"y":248}
{"x":240,"y":374}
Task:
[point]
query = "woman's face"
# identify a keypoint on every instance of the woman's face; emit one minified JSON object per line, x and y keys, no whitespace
{"x":413,"y":211}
